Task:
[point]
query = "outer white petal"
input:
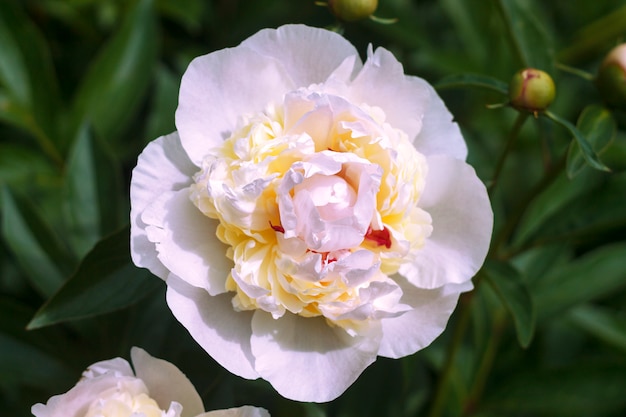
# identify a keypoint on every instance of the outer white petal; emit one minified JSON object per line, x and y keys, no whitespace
{"x":186,"y":242}
{"x":166,"y":383}
{"x":162,"y":166}
{"x":310,"y":55}
{"x":245,"y":411}
{"x":462,"y":220}
{"x":382,"y":83}
{"x":211,"y":320}
{"x":307,"y":360}
{"x":418,"y":327}
{"x":218,"y":88}
{"x":439,"y":134}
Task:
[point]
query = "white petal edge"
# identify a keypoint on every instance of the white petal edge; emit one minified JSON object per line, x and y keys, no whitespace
{"x":420,"y":326}
{"x":462,"y":221}
{"x":186,"y":241}
{"x":439,"y":134}
{"x":162,"y":166}
{"x":245,"y":411}
{"x":218,"y":88}
{"x":166,"y":383}
{"x":307,"y":360}
{"x":309,"y":55}
{"x":213,"y":323}
{"x":382,"y":83}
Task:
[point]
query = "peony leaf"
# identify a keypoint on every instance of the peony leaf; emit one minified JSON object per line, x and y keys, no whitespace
{"x":92,"y":184}
{"x":37,"y":249}
{"x":585,"y":388}
{"x":605,"y":324}
{"x":473,"y":80}
{"x":29,"y":94}
{"x":595,"y":275}
{"x":25,"y":358}
{"x":592,"y":205}
{"x":109,"y":94}
{"x":596,"y":123}
{"x":164,"y":102}
{"x":106,"y":280}
{"x":528,"y":36}
{"x":507,"y":282}
{"x":587,"y":151}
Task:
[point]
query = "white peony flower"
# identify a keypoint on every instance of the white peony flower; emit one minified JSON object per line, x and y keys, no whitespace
{"x":311,"y":213}
{"x":156,"y":389}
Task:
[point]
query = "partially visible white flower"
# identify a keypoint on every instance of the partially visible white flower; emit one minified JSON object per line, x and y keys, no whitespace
{"x":156,"y":389}
{"x":311,"y":213}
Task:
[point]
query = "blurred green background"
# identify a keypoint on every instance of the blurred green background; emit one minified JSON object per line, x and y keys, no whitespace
{"x":86,"y":84}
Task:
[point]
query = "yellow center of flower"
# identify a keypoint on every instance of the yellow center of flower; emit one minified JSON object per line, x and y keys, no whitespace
{"x":317,"y":200}
{"x":120,"y":403}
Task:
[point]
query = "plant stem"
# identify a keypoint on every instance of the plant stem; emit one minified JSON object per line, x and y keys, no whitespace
{"x":441,"y":392}
{"x":575,"y":71}
{"x":517,"y":127}
{"x":480,"y":380}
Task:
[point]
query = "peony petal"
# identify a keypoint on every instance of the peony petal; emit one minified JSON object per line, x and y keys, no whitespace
{"x":166,"y":383}
{"x":307,"y":360}
{"x":462,"y":220}
{"x":427,"y":319}
{"x":220,"y":87}
{"x":211,"y":320}
{"x":439,"y":134}
{"x":113,"y":367}
{"x":77,"y":400}
{"x":309,"y":55}
{"x":382,"y":83}
{"x":186,"y":242}
{"x":162,"y":166}
{"x":245,"y":411}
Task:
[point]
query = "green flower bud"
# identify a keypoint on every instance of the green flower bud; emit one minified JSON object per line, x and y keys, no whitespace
{"x":351,"y":10}
{"x":611,"y":78}
{"x":531,"y":90}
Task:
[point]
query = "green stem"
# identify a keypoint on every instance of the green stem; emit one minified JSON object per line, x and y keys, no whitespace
{"x":575,"y":71}
{"x":517,"y":126}
{"x":441,"y":392}
{"x":486,"y":364}
{"x":513,"y":220}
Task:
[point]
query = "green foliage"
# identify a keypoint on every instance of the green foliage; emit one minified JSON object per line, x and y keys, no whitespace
{"x":85,"y":84}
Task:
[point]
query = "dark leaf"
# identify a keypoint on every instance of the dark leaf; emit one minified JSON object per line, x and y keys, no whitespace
{"x":92,"y":189}
{"x":587,"y":151}
{"x":528,"y":36}
{"x":597,"y":125}
{"x":597,"y":274}
{"x":114,"y":86}
{"x":473,"y":80}
{"x":507,"y":282}
{"x":106,"y":280}
{"x":37,"y":249}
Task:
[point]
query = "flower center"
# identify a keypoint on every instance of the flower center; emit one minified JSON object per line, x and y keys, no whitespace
{"x":318,"y":203}
{"x":333,"y":197}
{"x":121,"y":403}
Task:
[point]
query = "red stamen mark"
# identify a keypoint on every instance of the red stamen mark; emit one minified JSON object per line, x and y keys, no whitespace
{"x":278,"y":228}
{"x":325,"y":258}
{"x":380,"y":237}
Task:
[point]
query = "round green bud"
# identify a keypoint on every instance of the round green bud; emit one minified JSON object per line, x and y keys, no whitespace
{"x":351,"y":10}
{"x":611,"y":78}
{"x":531,"y":90}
